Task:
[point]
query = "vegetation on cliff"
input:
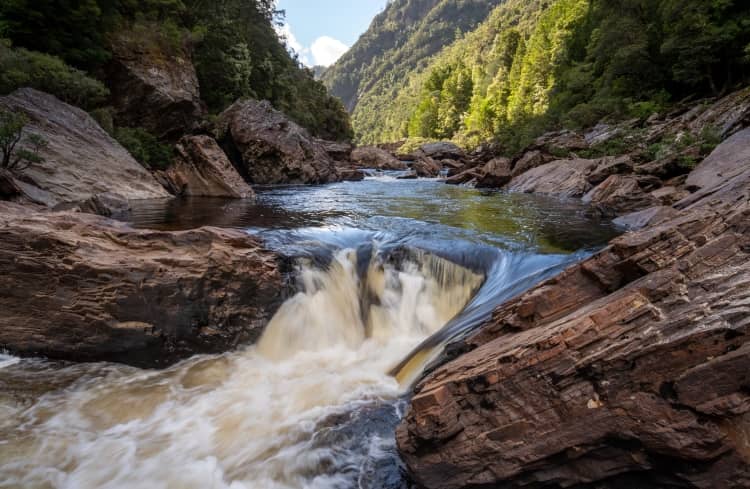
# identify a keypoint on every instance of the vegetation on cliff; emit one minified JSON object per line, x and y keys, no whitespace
{"x":543,"y":64}
{"x":235,"y":49}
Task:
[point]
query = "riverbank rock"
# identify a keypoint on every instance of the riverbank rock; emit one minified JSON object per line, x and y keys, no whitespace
{"x":629,"y":369}
{"x":80,"y":159}
{"x":442,"y":150}
{"x":495,"y":174}
{"x":154,"y":89}
{"x":564,"y":178}
{"x":81,"y":287}
{"x":426,"y":167}
{"x":374,"y":157}
{"x":338,"y":151}
{"x":621,"y":194}
{"x":268,"y":148}
{"x":202,"y":169}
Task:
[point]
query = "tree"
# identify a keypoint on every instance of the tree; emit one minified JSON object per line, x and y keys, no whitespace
{"x":15,"y":158}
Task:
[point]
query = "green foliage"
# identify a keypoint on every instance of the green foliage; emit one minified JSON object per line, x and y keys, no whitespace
{"x":538,"y":65}
{"x":23,"y":68}
{"x":235,"y":48}
{"x":144,"y":147}
{"x":17,"y":158}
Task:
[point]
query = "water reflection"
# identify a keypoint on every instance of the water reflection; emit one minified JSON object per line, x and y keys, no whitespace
{"x":427,"y":209}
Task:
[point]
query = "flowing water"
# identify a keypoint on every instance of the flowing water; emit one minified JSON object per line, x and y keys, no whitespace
{"x":388,"y":273}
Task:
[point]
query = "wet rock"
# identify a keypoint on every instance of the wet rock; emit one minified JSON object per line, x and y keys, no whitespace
{"x":530,"y":159}
{"x":351,"y":175}
{"x":107,"y":204}
{"x":495,"y":174}
{"x":426,"y":167}
{"x":465,"y":177}
{"x":610,"y":166}
{"x":442,"y":150}
{"x":202,"y":169}
{"x":564,"y":178}
{"x":374,"y":157}
{"x":627,"y":370}
{"x":81,"y":287}
{"x":620,"y":194}
{"x":152,"y":89}
{"x":268,"y":148}
{"x":80,"y":160}
{"x":408,"y":176}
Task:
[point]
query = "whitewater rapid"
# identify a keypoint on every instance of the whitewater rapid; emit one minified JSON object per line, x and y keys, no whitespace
{"x":261,"y":418}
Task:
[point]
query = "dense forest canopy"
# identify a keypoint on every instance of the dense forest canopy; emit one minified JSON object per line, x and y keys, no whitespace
{"x":235,"y":48}
{"x":535,"y":65}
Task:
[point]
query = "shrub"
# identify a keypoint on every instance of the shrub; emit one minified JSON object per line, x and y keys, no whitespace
{"x":24,"y":68}
{"x":144,"y":147}
{"x":15,"y":158}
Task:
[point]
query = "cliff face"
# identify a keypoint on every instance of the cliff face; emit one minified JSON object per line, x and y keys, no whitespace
{"x":627,"y":370}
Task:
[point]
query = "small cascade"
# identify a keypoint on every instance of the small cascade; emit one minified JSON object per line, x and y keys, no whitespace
{"x":407,"y":295}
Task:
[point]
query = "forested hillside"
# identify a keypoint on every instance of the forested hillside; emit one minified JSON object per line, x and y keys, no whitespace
{"x":64,"y":47}
{"x":536,"y":65}
{"x":400,"y":41}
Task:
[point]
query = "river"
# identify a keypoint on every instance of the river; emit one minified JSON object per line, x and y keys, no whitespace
{"x":387,"y":273}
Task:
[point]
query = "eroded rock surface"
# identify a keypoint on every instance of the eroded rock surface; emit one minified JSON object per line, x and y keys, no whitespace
{"x":564,"y":178}
{"x":80,"y":160}
{"x":374,"y":157}
{"x":81,"y":287}
{"x":268,"y":148}
{"x":202,"y":169}
{"x":628,"y":370}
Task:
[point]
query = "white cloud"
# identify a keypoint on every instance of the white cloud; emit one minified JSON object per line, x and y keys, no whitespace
{"x":324,"y":51}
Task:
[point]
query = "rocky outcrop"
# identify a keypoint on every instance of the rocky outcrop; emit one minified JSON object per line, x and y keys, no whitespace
{"x":442,"y":150}
{"x":80,"y":159}
{"x":729,"y":159}
{"x":337,"y":150}
{"x":81,"y":287}
{"x":495,"y":173}
{"x":374,"y":157}
{"x":268,"y":148}
{"x":152,"y":89}
{"x":627,"y":370}
{"x":202,"y":169}
{"x":620,"y":194}
{"x":426,"y":167}
{"x":564,"y":178}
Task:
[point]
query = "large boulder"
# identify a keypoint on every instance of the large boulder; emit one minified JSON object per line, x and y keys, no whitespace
{"x":442,"y":150}
{"x":152,"y":89}
{"x":529,"y":160}
{"x":268,"y":148}
{"x":374,"y":157}
{"x":728,"y":159}
{"x":621,"y":194}
{"x":81,"y":287}
{"x":495,"y":174}
{"x":564,"y":178}
{"x":426,"y":167}
{"x":80,"y":159}
{"x":627,"y":370}
{"x":202,"y":169}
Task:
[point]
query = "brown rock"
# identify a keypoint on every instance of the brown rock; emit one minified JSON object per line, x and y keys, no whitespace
{"x":465,"y":177}
{"x":442,"y":150}
{"x":374,"y":157}
{"x":153,"y":89}
{"x":338,"y":151}
{"x":621,"y":194}
{"x":669,"y":195}
{"x":627,"y":370}
{"x":426,"y":167}
{"x":201,"y":169}
{"x":727,"y":160}
{"x":530,"y":159}
{"x":646,"y":217}
{"x":607,"y":167}
{"x":495,"y":174}
{"x":561,"y":141}
{"x":80,"y":160}
{"x":564,"y":178}
{"x":351,"y":175}
{"x":81,"y":287}
{"x":268,"y":148}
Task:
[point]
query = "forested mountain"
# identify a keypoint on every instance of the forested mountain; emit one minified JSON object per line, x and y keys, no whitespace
{"x":64,"y":46}
{"x":400,"y":41}
{"x":535,"y":65}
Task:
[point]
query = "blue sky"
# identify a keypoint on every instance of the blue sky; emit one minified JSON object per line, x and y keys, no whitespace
{"x":322,"y":30}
